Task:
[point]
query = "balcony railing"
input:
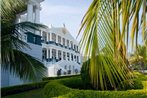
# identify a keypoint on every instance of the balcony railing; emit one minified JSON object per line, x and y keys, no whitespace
{"x":59,"y":44}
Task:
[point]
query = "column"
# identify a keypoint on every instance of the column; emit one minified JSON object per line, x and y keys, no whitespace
{"x":37,"y":13}
{"x":47,"y":37}
{"x":17,"y":19}
{"x":50,"y":52}
{"x":50,"y":36}
{"x":47,"y":52}
{"x":57,"y":56}
{"x":30,"y":12}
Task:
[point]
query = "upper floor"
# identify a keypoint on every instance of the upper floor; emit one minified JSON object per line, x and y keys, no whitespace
{"x":59,"y":37}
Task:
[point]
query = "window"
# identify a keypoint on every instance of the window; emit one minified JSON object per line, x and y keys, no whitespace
{"x":75,"y":57}
{"x":71,"y":56}
{"x":71,"y":45}
{"x":49,"y":36}
{"x":67,"y":43}
{"x":44,"y":36}
{"x":25,"y":37}
{"x":65,"y":67}
{"x":68,"y":56}
{"x":53,"y":37}
{"x":54,"y":53}
{"x":64,"y":41}
{"x":69,"y":67}
{"x":49,"y":53}
{"x":59,"y":54}
{"x":75,"y":47}
{"x":44,"y":54}
{"x":59,"y":39}
{"x":34,"y":39}
{"x":64,"y":55}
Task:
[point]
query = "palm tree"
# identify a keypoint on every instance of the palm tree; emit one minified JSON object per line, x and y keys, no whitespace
{"x":110,"y":23}
{"x":13,"y":59}
{"x":139,"y":57}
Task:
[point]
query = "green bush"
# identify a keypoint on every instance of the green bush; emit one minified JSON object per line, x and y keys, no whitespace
{"x":62,"y":86}
{"x":69,"y":88}
{"x":54,"y":89}
{"x":72,"y":82}
{"x":104,"y":94}
{"x":135,"y":84}
{"x":21,"y":88}
{"x":85,"y":75}
{"x":59,"y":77}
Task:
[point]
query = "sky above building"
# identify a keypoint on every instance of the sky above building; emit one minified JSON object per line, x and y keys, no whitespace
{"x":68,"y":12}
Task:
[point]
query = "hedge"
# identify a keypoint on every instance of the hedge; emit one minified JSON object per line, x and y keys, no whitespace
{"x":72,"y":88}
{"x":104,"y":94}
{"x":21,"y":88}
{"x":26,"y":87}
{"x":59,"y":77}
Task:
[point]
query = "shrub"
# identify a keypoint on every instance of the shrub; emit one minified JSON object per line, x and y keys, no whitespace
{"x":136,"y":82}
{"x":69,"y":88}
{"x":59,"y":77}
{"x":54,"y":89}
{"x":62,"y":86}
{"x":21,"y":88}
{"x":72,"y":82}
{"x":104,"y":94}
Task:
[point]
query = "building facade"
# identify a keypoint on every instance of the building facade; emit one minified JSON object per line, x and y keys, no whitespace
{"x":55,"y":47}
{"x":60,"y":52}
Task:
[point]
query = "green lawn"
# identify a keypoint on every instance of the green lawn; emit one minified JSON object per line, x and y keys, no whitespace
{"x":28,"y":94}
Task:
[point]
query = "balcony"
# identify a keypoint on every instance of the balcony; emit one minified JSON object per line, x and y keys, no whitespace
{"x":59,"y":44}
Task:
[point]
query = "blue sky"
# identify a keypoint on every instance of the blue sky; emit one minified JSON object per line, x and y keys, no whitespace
{"x":68,"y":12}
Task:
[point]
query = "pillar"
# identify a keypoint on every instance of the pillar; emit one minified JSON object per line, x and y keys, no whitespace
{"x":37,"y":14}
{"x":50,"y":36}
{"x":30,"y":12}
{"x":50,"y":52}
{"x":47,"y":52}
{"x":47,"y":37}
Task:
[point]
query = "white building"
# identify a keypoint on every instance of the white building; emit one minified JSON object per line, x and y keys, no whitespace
{"x":60,"y":52}
{"x":55,"y":47}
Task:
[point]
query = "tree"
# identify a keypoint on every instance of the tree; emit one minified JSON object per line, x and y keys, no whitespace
{"x":110,"y":23}
{"x":139,"y":57}
{"x":13,"y":59}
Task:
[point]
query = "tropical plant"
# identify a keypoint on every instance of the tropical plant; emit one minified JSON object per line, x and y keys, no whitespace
{"x":107,"y":26}
{"x":139,"y":57}
{"x":13,"y":59}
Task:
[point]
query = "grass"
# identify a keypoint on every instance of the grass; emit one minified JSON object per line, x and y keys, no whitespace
{"x":38,"y":93}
